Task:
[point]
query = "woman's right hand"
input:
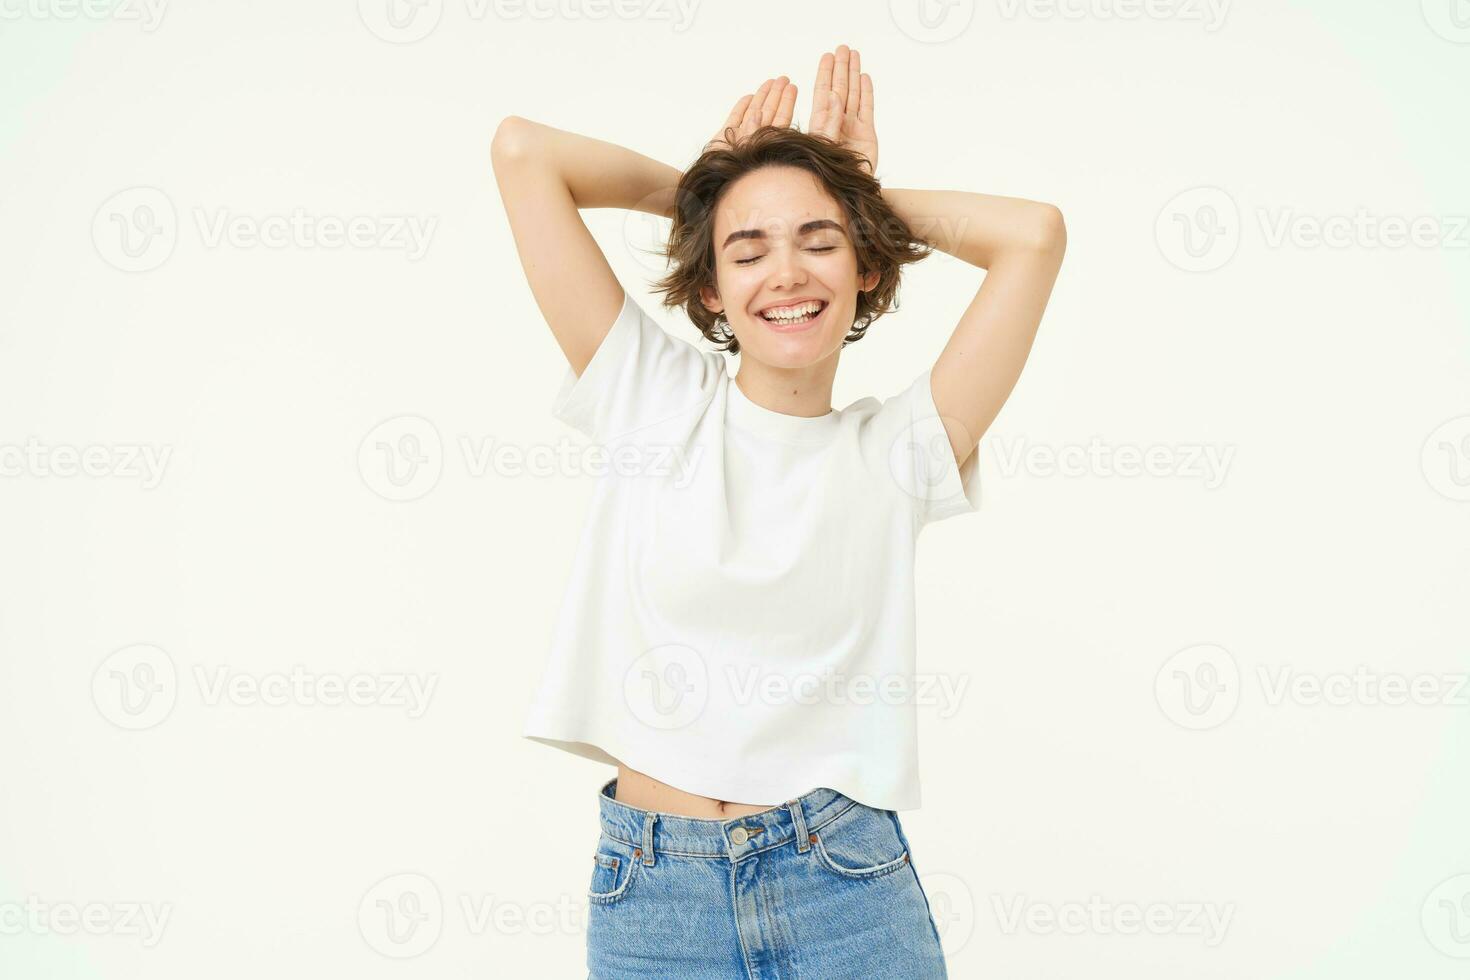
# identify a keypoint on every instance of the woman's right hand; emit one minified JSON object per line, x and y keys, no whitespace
{"x":771,"y":105}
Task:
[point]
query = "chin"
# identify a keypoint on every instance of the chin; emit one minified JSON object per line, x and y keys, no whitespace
{"x":792,"y":351}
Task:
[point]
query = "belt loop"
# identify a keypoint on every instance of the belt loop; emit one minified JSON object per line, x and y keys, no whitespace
{"x":799,"y":818}
{"x":648,"y":818}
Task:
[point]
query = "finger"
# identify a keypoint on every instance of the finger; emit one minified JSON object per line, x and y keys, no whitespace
{"x":831,"y":125}
{"x":820,"y":87}
{"x":824,"y":78}
{"x":865,"y":102}
{"x":772,"y":100}
{"x":732,"y":121}
{"x":839,"y":73}
{"x":819,"y":113}
{"x":854,"y":83}
{"x":752,"y":117}
{"x":738,"y":113}
{"x":753,"y":111}
{"x":786,"y":108}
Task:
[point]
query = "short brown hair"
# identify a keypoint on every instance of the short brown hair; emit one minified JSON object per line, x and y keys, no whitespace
{"x":884,"y":242}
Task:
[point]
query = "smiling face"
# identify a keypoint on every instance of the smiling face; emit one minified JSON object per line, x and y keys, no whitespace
{"x":781,"y":239}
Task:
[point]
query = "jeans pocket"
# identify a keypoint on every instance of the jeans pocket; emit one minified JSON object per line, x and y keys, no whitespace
{"x":862,"y":843}
{"x":614,"y":866}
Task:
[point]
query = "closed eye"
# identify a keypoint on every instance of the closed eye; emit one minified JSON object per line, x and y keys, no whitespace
{"x":822,"y":248}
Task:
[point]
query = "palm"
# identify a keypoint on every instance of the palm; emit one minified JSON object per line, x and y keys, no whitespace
{"x":842,"y":104}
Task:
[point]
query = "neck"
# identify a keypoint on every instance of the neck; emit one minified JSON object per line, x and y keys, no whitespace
{"x":803,"y":392}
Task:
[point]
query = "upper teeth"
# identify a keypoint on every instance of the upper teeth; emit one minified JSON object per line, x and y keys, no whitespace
{"x":792,"y":312}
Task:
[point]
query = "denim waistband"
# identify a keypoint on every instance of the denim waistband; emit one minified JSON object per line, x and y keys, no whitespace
{"x":669,"y":833}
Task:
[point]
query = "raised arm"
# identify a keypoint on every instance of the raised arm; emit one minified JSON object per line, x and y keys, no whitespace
{"x":1020,"y":243}
{"x":546,"y":175}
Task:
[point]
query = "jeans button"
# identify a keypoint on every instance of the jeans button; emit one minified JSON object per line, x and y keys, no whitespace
{"x":739,"y":835}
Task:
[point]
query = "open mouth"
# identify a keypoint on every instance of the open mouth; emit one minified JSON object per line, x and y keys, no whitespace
{"x":796,"y":316}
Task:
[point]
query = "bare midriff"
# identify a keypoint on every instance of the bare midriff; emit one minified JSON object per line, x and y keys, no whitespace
{"x":646,"y":793}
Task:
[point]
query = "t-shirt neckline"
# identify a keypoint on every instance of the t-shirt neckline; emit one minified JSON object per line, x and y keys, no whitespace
{"x":745,"y":414}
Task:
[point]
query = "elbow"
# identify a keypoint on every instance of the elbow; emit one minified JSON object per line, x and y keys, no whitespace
{"x":512,"y":142}
{"x":1049,"y":235}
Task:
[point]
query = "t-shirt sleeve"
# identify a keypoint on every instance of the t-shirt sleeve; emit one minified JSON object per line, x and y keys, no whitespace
{"x":921,"y":460}
{"x":639,"y":376}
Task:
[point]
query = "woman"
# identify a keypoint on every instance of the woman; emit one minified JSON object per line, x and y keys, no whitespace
{"x":737,"y":637}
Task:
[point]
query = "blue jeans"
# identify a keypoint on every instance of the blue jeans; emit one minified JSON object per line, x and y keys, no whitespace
{"x":821,"y":886}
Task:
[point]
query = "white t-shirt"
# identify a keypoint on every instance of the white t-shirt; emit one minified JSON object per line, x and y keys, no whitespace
{"x":739,"y":620}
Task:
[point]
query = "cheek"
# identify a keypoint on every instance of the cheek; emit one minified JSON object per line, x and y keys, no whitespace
{"x":740,"y":285}
{"x":836,"y":270}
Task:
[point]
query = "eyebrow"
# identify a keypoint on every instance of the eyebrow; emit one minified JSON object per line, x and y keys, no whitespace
{"x":806,"y":229}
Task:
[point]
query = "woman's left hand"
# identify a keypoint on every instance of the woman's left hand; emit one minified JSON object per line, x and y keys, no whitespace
{"x":771,"y":105}
{"x":842,"y":104}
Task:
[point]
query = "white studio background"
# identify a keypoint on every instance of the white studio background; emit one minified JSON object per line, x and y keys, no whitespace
{"x":1209,"y":623}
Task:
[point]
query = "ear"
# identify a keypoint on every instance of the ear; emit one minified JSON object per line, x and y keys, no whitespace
{"x":870,"y":281}
{"x":711,"y":299}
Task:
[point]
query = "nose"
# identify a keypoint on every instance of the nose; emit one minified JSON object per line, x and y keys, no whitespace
{"x":786,"y":270}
